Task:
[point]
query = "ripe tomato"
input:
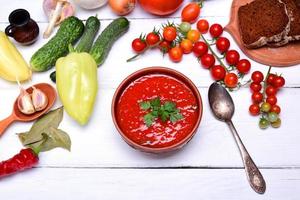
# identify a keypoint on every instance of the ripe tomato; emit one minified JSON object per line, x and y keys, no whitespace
{"x":138,"y":45}
{"x":202,"y":26}
{"x":278,"y":82}
{"x":216,"y":30}
{"x":271,"y":78}
{"x":243,"y":66}
{"x":272,"y":100}
{"x":152,"y":39}
{"x":170,"y":33}
{"x":222,"y":44}
{"x":200,"y":48}
{"x":208,"y":60}
{"x":270,"y":90}
{"x":257,"y":77}
{"x":257,"y":97}
{"x":186,"y":45}
{"x":254,"y":109}
{"x":164,"y":46}
{"x":231,"y":80}
{"x":193,"y":35}
{"x":190,"y":12}
{"x":276,"y":109}
{"x":175,"y":54}
{"x":255,"y":87}
{"x":160,"y":7}
{"x":218,"y":72}
{"x":232,"y":57}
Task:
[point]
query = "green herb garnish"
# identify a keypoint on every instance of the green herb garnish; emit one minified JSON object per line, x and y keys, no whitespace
{"x":165,"y":112}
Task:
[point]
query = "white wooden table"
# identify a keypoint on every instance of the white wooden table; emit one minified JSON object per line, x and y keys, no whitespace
{"x":102,"y":166}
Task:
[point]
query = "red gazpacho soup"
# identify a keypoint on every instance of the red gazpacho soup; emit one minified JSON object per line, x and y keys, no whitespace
{"x":131,"y":118}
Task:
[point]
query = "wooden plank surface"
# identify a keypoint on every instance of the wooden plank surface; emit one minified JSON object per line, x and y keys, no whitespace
{"x":103,"y":165}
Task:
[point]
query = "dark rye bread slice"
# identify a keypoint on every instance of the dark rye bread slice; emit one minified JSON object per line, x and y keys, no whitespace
{"x":262,"y":22}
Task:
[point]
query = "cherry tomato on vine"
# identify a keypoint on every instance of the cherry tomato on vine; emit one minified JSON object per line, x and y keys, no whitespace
{"x":272,"y":100}
{"x":265,"y":107}
{"x":271,"y":78}
{"x":186,"y":45}
{"x":164,"y":46}
{"x":185,"y":27}
{"x":270,"y":90}
{"x":257,"y":77}
{"x":276,"y":124}
{"x":208,"y":60}
{"x":218,"y":72}
{"x":243,"y":66}
{"x":264,"y":123}
{"x":257,"y":97}
{"x":193,"y":35}
{"x":190,"y":12}
{"x":175,"y":54}
{"x":138,"y":45}
{"x":222,"y":44}
{"x":231,"y":80}
{"x":216,"y":30}
{"x":255,"y":87}
{"x":203,"y":26}
{"x":254,"y":109}
{"x":232,"y":57}
{"x":278,"y":82}
{"x":170,"y":33}
{"x":276,"y":109}
{"x":200,"y":48}
{"x":152,"y":39}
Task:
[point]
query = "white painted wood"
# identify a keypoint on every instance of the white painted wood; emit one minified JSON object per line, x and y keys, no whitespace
{"x":159,"y":184}
{"x":76,"y":175}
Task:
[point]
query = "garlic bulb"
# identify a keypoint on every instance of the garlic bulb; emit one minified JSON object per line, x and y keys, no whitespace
{"x":39,"y":99}
{"x":90,"y":4}
{"x":25,"y":103}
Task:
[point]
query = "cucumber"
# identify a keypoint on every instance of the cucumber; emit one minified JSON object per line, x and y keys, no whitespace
{"x":92,"y":26}
{"x":104,"y":42}
{"x":69,"y":32}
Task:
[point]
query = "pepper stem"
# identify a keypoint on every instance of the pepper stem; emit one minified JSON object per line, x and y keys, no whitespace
{"x":71,"y":48}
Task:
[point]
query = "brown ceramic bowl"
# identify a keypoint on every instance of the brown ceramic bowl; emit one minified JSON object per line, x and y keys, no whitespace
{"x":148,"y":71}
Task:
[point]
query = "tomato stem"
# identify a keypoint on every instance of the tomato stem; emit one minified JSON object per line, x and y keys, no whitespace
{"x":265,"y":83}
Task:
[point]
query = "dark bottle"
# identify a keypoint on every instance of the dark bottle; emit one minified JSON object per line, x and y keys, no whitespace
{"x":22,"y":28}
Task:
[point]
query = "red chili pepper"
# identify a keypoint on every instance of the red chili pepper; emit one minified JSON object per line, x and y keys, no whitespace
{"x":25,"y":159}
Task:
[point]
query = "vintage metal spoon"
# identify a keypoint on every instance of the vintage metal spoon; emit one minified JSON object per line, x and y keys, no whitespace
{"x":222,"y":106}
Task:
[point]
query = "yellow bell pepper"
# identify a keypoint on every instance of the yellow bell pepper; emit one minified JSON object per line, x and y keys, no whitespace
{"x":13,"y":67}
{"x":77,"y":85}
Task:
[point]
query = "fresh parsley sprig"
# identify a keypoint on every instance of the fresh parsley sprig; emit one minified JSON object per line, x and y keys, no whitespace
{"x":165,"y":112}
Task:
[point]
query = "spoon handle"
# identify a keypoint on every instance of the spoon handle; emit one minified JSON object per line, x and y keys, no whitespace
{"x":254,"y":176}
{"x":5,"y":123}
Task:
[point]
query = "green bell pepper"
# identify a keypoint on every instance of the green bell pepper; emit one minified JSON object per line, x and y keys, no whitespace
{"x":77,"y":85}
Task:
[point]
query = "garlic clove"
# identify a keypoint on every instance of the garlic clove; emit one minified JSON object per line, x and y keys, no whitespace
{"x":39,"y":99}
{"x":25,"y":104}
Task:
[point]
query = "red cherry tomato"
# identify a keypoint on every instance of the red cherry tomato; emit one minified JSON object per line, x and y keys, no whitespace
{"x":243,"y":66}
{"x":232,"y":57}
{"x":170,"y":33}
{"x":208,"y":60}
{"x":222,"y":44}
{"x":175,"y":54}
{"x":138,"y":45}
{"x":202,"y":26}
{"x":216,"y":30}
{"x":257,"y":97}
{"x":200,"y":48}
{"x":152,"y":39}
{"x":254,"y":109}
{"x":164,"y":46}
{"x":276,"y":109}
{"x":218,"y":72}
{"x":186,"y":45}
{"x":231,"y":80}
{"x":255,"y":87}
{"x":272,"y":100}
{"x":257,"y":77}
{"x":278,"y":82}
{"x":271,"y":78}
{"x":270,"y":90}
{"x":190,"y":12}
